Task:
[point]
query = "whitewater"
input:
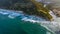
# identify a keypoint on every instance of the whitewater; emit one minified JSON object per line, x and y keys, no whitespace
{"x":50,"y":25}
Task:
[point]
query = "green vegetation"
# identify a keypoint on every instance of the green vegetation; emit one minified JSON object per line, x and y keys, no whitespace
{"x":29,"y":7}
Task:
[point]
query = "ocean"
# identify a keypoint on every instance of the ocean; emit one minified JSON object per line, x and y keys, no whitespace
{"x":16,"y":22}
{"x":12,"y":22}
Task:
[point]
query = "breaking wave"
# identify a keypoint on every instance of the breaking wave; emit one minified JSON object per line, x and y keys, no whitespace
{"x":50,"y":25}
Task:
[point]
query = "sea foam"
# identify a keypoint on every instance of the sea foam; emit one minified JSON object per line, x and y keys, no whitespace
{"x":52,"y":26}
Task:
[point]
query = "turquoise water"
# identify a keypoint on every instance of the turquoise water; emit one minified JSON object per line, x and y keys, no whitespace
{"x":13,"y":23}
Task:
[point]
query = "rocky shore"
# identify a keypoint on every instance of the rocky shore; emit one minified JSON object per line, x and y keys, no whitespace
{"x":28,"y":7}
